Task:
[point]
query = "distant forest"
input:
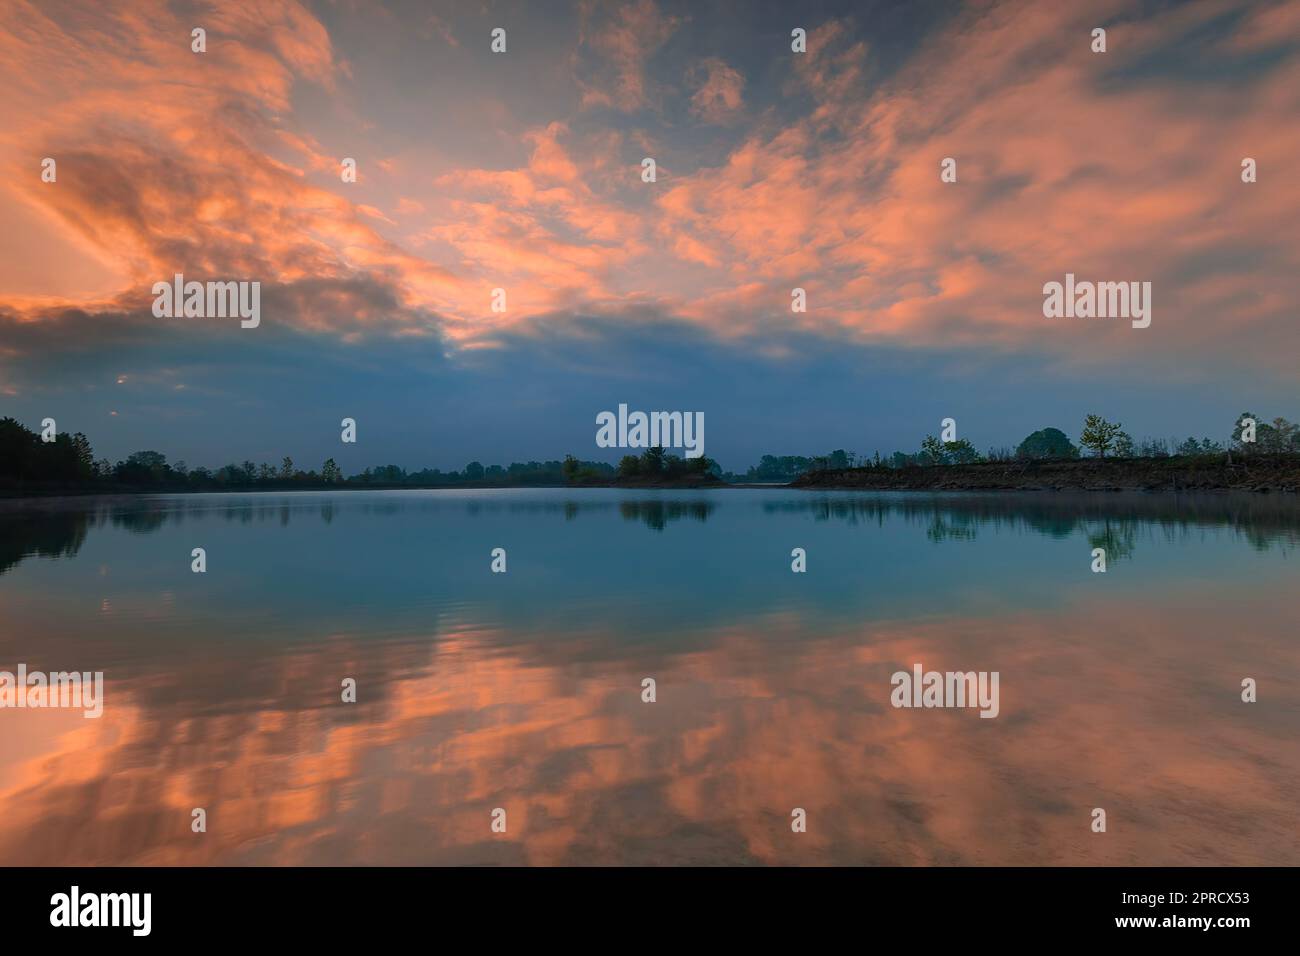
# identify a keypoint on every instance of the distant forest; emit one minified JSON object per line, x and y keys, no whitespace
{"x":1097,"y":438}
{"x":68,"y":462}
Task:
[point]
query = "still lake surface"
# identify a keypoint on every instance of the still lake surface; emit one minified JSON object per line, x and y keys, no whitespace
{"x":523,"y":690}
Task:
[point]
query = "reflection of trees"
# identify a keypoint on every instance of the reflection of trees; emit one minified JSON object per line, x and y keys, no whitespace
{"x":1113,"y":520}
{"x":1118,"y":538}
{"x":657,"y":513}
{"x":139,"y":521}
{"x":60,"y":528}
{"x":941,"y":530}
{"x":41,"y":535}
{"x":1265,"y":521}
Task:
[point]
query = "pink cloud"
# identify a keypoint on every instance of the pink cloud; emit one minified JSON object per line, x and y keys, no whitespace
{"x":1058,"y":171}
{"x":1067,"y":161}
{"x":719,"y":95}
{"x":624,"y":40}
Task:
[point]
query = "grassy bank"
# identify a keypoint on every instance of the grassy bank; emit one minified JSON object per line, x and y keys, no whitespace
{"x":1225,"y":472}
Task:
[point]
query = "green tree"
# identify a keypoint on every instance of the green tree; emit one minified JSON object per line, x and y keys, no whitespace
{"x":1047,"y":443}
{"x":1284,"y":437}
{"x":960,"y":452}
{"x":152,"y":460}
{"x":1123,"y":445}
{"x":932,"y":451}
{"x":329,"y":472}
{"x":1153,"y":448}
{"x":652,"y":460}
{"x":85,"y":456}
{"x":143,"y":467}
{"x":286,"y":468}
{"x":571,"y":467}
{"x":1099,"y":434}
{"x":1239,"y":430}
{"x":629,"y":466}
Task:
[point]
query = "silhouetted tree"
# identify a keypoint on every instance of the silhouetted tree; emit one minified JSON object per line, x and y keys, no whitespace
{"x":960,"y":452}
{"x":652,"y":461}
{"x":1047,"y":443}
{"x":932,"y":452}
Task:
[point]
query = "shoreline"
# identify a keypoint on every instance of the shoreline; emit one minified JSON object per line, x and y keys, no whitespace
{"x":63,"y":493}
{"x":1259,"y":474}
{"x":1174,"y":475}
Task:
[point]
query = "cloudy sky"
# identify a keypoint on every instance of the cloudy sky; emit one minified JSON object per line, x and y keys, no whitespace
{"x":522,"y":171}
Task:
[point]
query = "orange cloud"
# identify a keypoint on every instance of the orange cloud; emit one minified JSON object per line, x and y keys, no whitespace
{"x":1112,"y":166}
{"x":1063,"y":166}
{"x":624,"y":37}
{"x":754,"y":719}
{"x":719,"y":95}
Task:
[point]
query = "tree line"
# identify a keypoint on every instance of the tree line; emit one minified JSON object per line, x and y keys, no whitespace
{"x":69,"y":460}
{"x":656,"y":463}
{"x":1098,"y":438}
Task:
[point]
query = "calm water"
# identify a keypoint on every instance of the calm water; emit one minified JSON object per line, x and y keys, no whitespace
{"x":523,"y":690}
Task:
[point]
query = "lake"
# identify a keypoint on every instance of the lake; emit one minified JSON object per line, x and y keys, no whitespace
{"x":523,"y":691}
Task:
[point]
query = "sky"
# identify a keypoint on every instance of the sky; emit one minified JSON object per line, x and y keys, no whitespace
{"x":522,"y":171}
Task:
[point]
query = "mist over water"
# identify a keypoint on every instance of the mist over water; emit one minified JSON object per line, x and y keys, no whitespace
{"x":523,"y":690}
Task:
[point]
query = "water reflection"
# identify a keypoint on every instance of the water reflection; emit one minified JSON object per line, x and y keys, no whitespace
{"x":1109,"y":520}
{"x":1264,"y":520}
{"x":523,"y":690}
{"x":54,"y":535}
{"x":657,"y":514}
{"x":1130,"y":708}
